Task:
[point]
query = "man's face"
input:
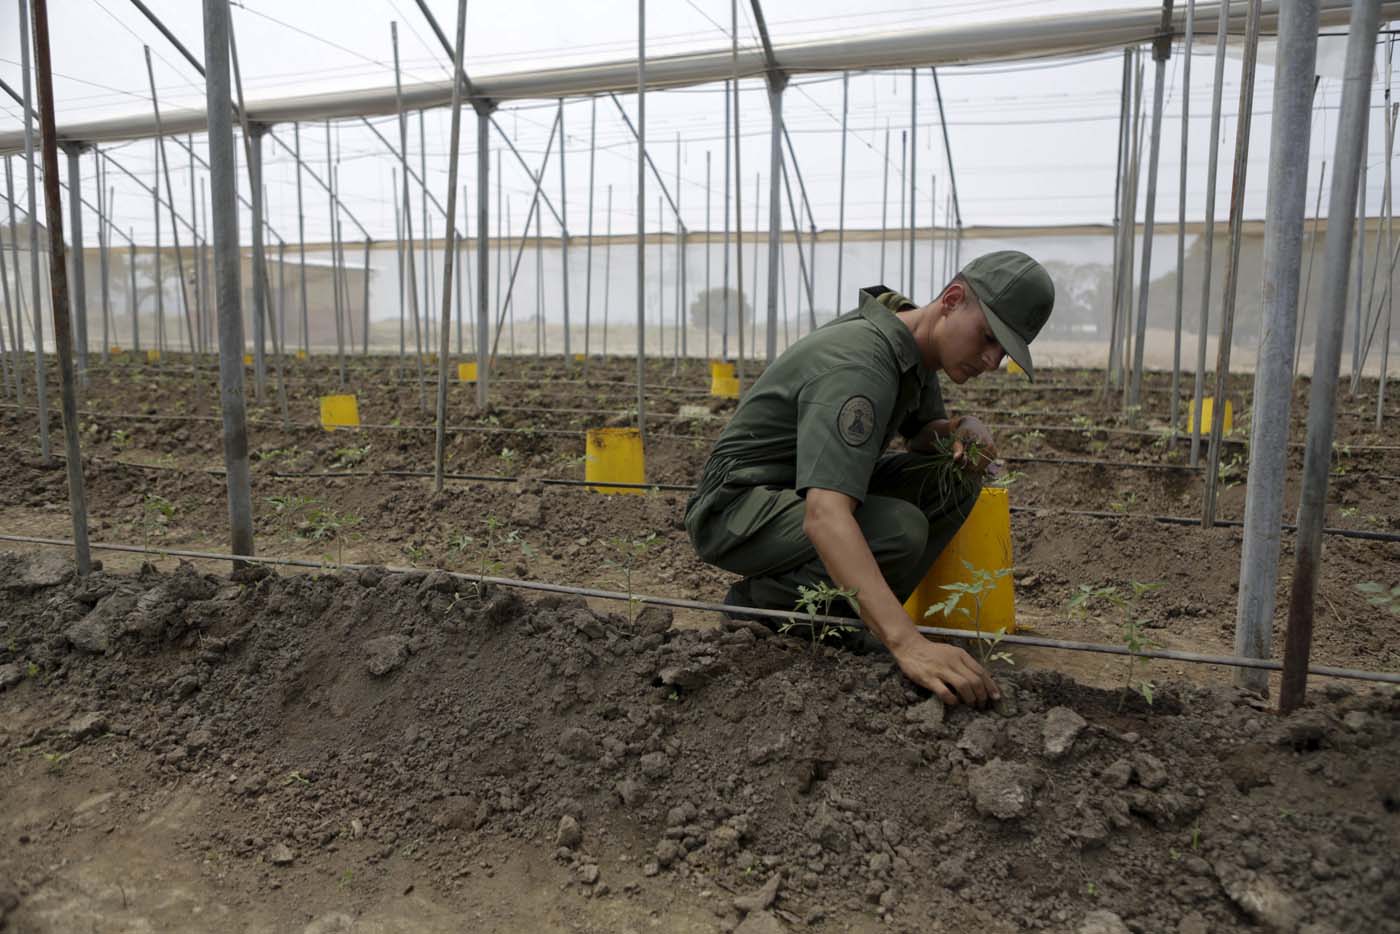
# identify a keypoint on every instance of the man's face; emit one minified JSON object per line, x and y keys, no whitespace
{"x":969,"y":348}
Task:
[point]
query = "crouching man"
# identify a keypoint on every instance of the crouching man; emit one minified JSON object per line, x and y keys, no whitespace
{"x":799,"y":490}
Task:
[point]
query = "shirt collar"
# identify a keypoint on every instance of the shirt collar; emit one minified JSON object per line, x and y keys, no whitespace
{"x":900,"y":338}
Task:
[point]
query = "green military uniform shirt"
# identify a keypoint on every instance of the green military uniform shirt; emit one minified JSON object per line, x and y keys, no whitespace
{"x":819,"y":416}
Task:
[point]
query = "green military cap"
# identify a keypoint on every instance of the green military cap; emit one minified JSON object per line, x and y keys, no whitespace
{"x":1017,"y":295}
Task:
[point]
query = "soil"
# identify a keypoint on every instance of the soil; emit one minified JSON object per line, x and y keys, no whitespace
{"x":392,"y":751}
{"x":235,"y":718}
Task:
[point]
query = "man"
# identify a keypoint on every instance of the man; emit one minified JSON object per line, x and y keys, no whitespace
{"x":798,"y":489}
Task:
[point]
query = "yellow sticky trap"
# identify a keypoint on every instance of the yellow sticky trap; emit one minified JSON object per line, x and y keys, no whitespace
{"x":466,"y":372}
{"x":342,"y":411}
{"x":114,"y":349}
{"x":721,"y":368}
{"x":153,"y":356}
{"x":1013,"y":367}
{"x":247,"y":359}
{"x":614,"y":455}
{"x":1207,"y":407}
{"x":984,"y":541}
{"x":725,"y":387}
{"x":301,"y":355}
{"x":578,"y":358}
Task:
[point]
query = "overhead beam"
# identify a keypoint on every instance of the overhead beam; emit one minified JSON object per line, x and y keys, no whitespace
{"x":1034,"y":36}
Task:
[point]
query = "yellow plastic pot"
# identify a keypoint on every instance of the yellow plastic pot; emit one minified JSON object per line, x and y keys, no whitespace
{"x":339,"y":411}
{"x":984,"y":541}
{"x":614,"y":455}
{"x":1207,"y":407}
{"x":725,"y":387}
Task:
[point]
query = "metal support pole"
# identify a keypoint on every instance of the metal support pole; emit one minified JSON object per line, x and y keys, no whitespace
{"x":334,"y":218}
{"x":913,"y":174}
{"x":227,"y":276}
{"x":449,"y":229}
{"x":884,"y":203}
{"x":1161,"y":51}
{"x":1129,"y":252}
{"x":841,"y":208}
{"x":429,"y":299}
{"x":1359,"y":315}
{"x":12,"y":310}
{"x":174,"y":223}
{"x":607,"y":272}
{"x":1273,"y":376}
{"x":364,"y":300}
{"x":17,"y":322}
{"x":809,"y":270}
{"x":40,"y":380}
{"x":104,"y":240}
{"x":776,"y":83}
{"x":709,"y":298}
{"x":135,"y":303}
{"x":78,"y":292}
{"x":564,"y":239}
{"x":899,"y":225}
{"x":1232,"y":272}
{"x":483,"y":250}
{"x":1392,"y":111}
{"x":724,"y":258}
{"x":952,"y":179}
{"x":1307,"y":284}
{"x":1322,"y":398}
{"x":259,"y":257}
{"x":588,"y":250}
{"x":301,"y":244}
{"x":399,"y":265}
{"x":158,"y":275}
{"x":1119,"y":221}
{"x":1186,"y":42}
{"x":465,"y":269}
{"x":198,"y":311}
{"x":1221,"y":32}
{"x":408,"y":225}
{"x":281,"y":295}
{"x":62,"y":325}
{"x":738,"y":216}
{"x":641,"y":216}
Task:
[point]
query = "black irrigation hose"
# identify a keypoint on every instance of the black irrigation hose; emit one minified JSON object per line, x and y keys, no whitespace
{"x":690,"y":488}
{"x":1188,"y":521}
{"x":1198,"y":658}
{"x":1086,"y":462}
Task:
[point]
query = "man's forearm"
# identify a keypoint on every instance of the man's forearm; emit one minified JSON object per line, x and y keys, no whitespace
{"x":846,"y":554}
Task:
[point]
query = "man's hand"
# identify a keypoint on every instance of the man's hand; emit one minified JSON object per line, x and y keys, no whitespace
{"x":968,"y":429}
{"x":947,"y":671}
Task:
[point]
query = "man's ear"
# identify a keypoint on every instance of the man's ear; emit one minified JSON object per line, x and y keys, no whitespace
{"x":953,"y":296}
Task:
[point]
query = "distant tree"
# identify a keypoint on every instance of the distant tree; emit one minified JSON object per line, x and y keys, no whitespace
{"x":712,"y":306}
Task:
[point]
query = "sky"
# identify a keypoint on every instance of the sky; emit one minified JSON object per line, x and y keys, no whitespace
{"x":1032,"y":142}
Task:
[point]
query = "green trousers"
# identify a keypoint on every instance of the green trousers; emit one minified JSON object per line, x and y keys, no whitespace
{"x":906,"y":519}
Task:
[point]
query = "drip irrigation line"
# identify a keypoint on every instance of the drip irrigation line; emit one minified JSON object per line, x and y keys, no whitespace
{"x":1197,"y":658}
{"x":1196,"y":522}
{"x":1086,"y":462}
{"x":277,"y":423}
{"x":1361,"y":534}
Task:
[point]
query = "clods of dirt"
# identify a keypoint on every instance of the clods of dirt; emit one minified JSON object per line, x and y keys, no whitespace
{"x":407,"y":716}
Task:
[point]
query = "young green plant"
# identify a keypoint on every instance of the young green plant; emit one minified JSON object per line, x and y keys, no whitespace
{"x":630,"y":550}
{"x":816,"y":601}
{"x":976,"y":591}
{"x":1133,"y":626}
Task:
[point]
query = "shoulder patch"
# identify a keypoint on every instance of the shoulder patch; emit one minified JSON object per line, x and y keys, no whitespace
{"x":856,"y":420}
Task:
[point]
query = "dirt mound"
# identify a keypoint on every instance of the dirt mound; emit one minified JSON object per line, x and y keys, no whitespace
{"x":809,"y":784}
